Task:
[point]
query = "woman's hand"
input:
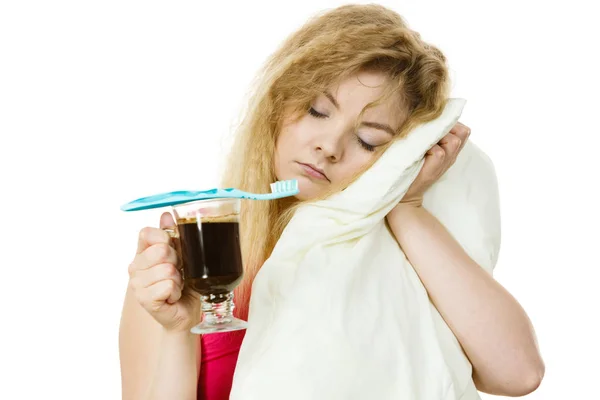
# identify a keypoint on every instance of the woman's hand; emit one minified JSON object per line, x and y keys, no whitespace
{"x":157,"y":283}
{"x":437,"y":161}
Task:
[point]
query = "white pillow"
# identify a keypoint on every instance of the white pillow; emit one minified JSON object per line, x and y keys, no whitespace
{"x":338,"y":312}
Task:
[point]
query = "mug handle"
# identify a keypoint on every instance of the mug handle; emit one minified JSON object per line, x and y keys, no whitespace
{"x":174,"y":235}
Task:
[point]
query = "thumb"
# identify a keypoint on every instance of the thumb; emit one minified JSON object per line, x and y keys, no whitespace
{"x":166,"y":220}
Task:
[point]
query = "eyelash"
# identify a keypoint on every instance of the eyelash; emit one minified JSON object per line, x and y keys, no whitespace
{"x":363,"y":144}
{"x":316,"y":114}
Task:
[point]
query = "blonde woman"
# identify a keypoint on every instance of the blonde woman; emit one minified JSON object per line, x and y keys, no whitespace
{"x":328,"y":102}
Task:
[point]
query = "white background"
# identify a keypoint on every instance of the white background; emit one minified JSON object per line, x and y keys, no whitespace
{"x":103,"y":102}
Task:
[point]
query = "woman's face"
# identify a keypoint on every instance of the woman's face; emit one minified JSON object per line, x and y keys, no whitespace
{"x":322,"y":148}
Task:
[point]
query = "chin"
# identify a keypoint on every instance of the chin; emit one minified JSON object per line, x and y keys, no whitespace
{"x":308,"y":189}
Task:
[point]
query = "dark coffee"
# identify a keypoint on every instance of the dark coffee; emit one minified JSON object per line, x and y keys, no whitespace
{"x":211,"y":255}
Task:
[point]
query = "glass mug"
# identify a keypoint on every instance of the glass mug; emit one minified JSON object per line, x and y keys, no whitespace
{"x":207,"y":242}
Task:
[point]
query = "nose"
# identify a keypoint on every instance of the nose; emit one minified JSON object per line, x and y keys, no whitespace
{"x":330,"y":143}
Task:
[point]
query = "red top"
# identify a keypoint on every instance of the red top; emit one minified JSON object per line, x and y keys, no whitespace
{"x":217,"y":363}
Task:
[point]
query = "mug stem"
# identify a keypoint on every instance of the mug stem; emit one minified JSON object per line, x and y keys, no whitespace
{"x":217,"y":308}
{"x":218,"y":316}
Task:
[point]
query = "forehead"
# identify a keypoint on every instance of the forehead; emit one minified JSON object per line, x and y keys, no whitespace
{"x":355,"y":92}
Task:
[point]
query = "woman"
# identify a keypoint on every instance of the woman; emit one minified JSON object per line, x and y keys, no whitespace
{"x":333,"y":97}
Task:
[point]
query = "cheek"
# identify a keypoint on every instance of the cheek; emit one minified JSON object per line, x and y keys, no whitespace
{"x":355,"y":163}
{"x":290,"y":141}
{"x":277,"y":160}
{"x":282,"y":153}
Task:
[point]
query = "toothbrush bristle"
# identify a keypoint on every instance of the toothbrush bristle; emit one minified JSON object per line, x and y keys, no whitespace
{"x":284,"y":186}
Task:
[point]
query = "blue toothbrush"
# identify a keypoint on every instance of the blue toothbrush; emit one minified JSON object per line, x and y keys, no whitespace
{"x":279,"y":190}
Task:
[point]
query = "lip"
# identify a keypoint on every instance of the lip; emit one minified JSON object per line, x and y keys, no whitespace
{"x":314,"y":171}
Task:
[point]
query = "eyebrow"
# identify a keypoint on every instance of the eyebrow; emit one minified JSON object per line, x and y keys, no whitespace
{"x":375,"y":125}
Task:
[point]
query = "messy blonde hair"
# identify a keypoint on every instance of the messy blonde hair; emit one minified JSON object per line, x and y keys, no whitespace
{"x":329,"y":47}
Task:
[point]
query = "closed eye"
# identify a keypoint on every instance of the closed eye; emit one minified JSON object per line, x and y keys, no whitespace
{"x":365,"y":145}
{"x":362,"y":143}
{"x":316,"y":114}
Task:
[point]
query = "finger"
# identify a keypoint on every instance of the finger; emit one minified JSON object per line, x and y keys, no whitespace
{"x":462,"y":131}
{"x":160,"y":253}
{"x":459,"y":126}
{"x":434,"y":160}
{"x":166,"y":220}
{"x":451,"y":144}
{"x":175,"y":296}
{"x":464,"y":136}
{"x":163,"y":292}
{"x":149,"y":236}
{"x":148,"y":277}
{"x":436,"y":152}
